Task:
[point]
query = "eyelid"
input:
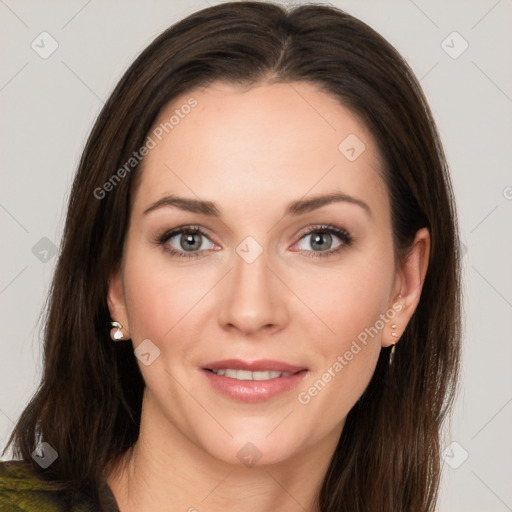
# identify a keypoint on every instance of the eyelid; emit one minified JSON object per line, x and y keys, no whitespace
{"x":186,"y":228}
{"x":326,"y":228}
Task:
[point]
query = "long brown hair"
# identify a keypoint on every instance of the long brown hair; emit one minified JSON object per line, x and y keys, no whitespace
{"x":88,"y":404}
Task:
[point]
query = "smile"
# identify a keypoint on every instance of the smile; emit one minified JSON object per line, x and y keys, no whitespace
{"x":248,"y":375}
{"x":253,"y":381}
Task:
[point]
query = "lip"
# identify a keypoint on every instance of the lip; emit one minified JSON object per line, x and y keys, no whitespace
{"x":253,"y":390}
{"x":260,"y":365}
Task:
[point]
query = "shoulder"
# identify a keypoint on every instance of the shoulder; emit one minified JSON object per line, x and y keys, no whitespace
{"x":24,"y":489}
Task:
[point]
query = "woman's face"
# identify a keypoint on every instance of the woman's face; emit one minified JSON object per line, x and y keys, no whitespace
{"x":269,"y":276}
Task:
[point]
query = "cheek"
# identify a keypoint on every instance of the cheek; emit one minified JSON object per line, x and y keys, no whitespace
{"x":160,"y":298}
{"x":352,"y":302}
{"x":348,"y":298}
{"x":346,"y":358}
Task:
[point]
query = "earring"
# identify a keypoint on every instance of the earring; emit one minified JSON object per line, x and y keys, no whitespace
{"x":116,"y":333}
{"x":392,"y":352}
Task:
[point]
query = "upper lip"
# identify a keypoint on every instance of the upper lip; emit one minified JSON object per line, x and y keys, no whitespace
{"x":254,"y":366}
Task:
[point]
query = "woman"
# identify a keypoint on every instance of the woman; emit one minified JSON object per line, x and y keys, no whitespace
{"x":257,"y":300}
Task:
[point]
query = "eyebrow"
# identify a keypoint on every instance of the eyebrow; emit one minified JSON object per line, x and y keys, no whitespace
{"x":295,"y":208}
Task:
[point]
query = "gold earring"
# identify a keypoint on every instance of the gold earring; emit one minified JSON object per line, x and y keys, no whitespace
{"x":116,"y":333}
{"x":393,"y":348}
{"x":392,"y":353}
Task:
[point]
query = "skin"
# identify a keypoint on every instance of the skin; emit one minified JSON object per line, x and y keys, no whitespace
{"x":251,"y":151}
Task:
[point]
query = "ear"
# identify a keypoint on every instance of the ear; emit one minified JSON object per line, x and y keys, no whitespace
{"x":116,"y":301}
{"x":409,"y":283}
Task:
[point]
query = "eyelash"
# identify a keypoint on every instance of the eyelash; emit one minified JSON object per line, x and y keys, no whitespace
{"x":342,"y":234}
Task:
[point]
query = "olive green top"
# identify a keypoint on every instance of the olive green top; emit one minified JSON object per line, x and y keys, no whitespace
{"x":24,"y":489}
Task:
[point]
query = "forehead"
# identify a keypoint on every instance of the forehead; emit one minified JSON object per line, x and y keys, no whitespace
{"x":265,"y":144}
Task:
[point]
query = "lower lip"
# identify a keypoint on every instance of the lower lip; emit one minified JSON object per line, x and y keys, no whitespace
{"x":253,"y":390}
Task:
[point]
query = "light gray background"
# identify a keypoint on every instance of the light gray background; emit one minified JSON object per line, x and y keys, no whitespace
{"x":48,"y":107}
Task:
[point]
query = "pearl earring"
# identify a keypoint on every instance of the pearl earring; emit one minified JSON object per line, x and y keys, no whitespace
{"x":116,"y":333}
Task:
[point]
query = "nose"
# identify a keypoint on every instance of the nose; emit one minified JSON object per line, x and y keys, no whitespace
{"x":253,"y":298}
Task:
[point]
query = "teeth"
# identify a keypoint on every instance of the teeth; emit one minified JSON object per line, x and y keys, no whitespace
{"x":247,"y":375}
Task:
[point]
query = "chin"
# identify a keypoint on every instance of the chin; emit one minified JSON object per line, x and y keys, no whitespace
{"x":250,"y":451}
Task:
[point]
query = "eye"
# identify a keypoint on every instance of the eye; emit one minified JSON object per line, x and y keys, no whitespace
{"x":320,"y":239}
{"x":192,"y":241}
{"x":185,"y":242}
